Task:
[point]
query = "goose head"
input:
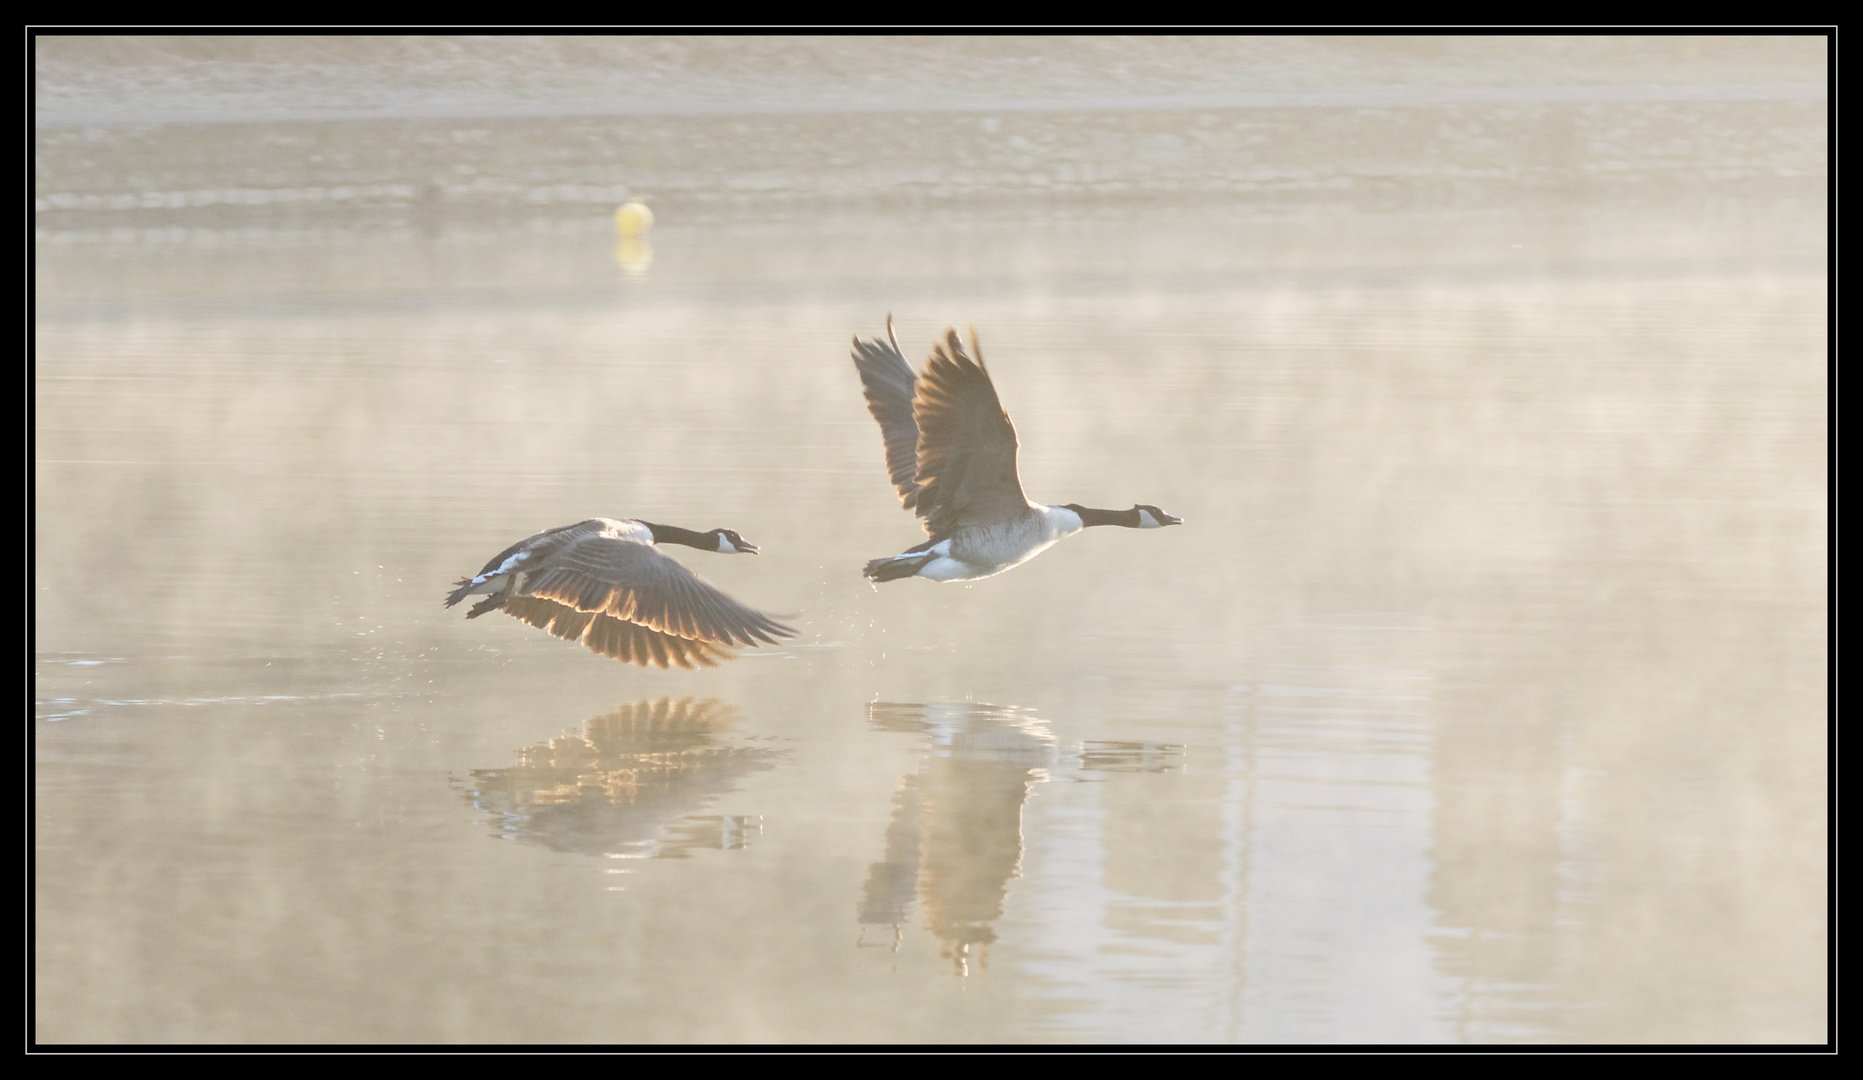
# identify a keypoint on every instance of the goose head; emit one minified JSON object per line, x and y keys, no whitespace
{"x":730,"y":543}
{"x":1150,"y":517}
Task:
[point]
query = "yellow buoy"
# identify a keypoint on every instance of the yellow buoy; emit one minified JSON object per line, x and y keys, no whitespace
{"x":633,"y":218}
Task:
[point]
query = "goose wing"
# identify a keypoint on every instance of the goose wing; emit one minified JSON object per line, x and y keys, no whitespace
{"x":888,"y":382}
{"x":624,"y":580}
{"x":966,"y":465}
{"x":630,"y":643}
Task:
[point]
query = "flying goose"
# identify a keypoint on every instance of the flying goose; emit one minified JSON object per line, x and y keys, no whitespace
{"x":951,"y":451}
{"x":602,"y":583}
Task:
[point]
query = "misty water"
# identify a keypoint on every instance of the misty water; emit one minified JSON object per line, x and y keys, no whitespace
{"x":1480,"y":698}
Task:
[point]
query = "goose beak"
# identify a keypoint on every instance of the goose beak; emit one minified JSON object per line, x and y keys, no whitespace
{"x":1168,"y":519}
{"x":745,"y":547}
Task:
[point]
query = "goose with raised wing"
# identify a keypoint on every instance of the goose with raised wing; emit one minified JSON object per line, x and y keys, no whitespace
{"x":600,"y":582}
{"x":951,"y":451}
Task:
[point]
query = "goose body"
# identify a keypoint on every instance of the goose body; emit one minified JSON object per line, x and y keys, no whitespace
{"x":601,"y":582}
{"x":951,"y":453}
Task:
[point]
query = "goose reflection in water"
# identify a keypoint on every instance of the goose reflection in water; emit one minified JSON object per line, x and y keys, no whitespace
{"x":955,"y":838}
{"x":628,"y":786}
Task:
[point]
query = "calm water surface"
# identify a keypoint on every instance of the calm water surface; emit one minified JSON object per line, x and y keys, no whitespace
{"x":1481,"y":698}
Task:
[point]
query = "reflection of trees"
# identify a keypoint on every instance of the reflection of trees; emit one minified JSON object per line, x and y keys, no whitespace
{"x":627,"y":785}
{"x":955,"y":838}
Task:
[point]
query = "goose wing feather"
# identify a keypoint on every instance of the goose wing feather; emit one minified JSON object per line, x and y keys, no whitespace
{"x":966,"y":464}
{"x":888,"y":381}
{"x":624,"y":580}
{"x":630,"y":643}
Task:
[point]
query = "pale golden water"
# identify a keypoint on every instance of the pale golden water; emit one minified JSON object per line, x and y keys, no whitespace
{"x":1481,"y":697}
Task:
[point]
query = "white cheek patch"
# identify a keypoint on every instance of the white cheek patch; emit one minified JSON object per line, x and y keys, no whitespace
{"x":1146,"y":521}
{"x":724,"y":545}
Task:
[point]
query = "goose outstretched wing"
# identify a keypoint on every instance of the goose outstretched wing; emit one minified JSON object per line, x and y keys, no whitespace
{"x":888,"y":382}
{"x":630,"y":643}
{"x":622,"y":579}
{"x":966,"y":465}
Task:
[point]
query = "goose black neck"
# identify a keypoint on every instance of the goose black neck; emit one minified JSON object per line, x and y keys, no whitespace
{"x":1090,"y":517}
{"x":673,"y":534}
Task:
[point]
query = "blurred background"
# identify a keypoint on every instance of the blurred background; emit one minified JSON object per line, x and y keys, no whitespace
{"x":1481,"y":697}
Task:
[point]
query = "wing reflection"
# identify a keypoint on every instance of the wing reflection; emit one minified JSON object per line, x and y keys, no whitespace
{"x":628,"y":785}
{"x":955,"y":838}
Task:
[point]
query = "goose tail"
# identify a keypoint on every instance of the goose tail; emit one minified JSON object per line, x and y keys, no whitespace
{"x":464,"y":590}
{"x":894,"y":568}
{"x":469,"y":586}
